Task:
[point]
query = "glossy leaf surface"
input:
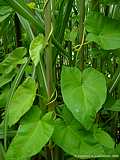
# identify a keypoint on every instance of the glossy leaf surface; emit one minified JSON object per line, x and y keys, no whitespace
{"x":83,"y":93}
{"x":37,"y":46}
{"x":31,"y":137}
{"x":22,"y":101}
{"x":73,"y":139}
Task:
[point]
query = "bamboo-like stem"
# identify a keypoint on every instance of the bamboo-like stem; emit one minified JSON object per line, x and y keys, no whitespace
{"x":48,"y":50}
{"x":48,"y":59}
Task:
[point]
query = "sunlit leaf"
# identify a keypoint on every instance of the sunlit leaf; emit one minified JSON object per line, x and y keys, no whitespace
{"x":22,"y":101}
{"x":83,"y":93}
{"x":36,"y":47}
{"x":31,"y":137}
{"x":74,"y":141}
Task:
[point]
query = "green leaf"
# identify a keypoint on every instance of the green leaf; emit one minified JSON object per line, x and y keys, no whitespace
{"x":36,"y":47}
{"x":106,"y":32}
{"x":77,"y":141}
{"x":26,"y":25}
{"x":115,"y":106}
{"x":68,"y":117}
{"x":117,"y":149}
{"x":83,"y":93}
{"x":104,"y":138}
{"x":2,"y":18}
{"x":33,"y":115}
{"x":11,"y":61}
{"x":3,"y":96}
{"x":74,"y":141}
{"x":5,"y":11}
{"x":31,"y":138}
{"x":20,"y":7}
{"x":70,"y":35}
{"x":22,"y":101}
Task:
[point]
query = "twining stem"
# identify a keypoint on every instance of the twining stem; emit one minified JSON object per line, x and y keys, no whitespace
{"x":48,"y":50}
{"x":81,"y":27}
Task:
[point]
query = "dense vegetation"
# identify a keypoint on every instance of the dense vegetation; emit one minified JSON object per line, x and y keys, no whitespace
{"x":59,"y":79}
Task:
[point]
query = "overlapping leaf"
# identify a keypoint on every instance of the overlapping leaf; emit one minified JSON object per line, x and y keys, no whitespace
{"x":31,"y":136}
{"x":73,"y":139}
{"x":9,"y":65}
{"x":73,"y":142}
{"x":22,"y":101}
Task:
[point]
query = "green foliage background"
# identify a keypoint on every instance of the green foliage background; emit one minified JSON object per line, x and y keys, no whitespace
{"x":59,"y":79}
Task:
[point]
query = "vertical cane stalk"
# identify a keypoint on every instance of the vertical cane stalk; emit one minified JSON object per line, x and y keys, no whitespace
{"x":48,"y":50}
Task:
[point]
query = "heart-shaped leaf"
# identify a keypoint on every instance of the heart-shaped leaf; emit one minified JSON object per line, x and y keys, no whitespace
{"x":83,"y":93}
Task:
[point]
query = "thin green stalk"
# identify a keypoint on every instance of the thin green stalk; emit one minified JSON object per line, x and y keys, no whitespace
{"x":115,"y":82}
